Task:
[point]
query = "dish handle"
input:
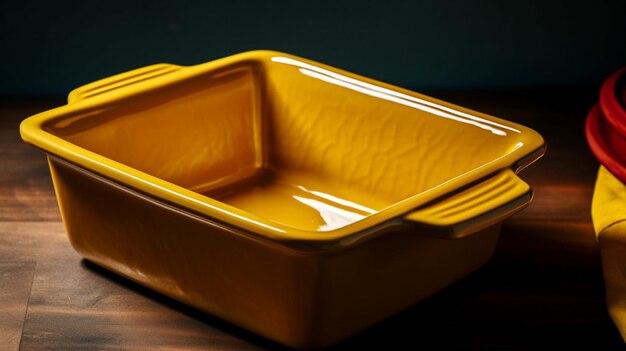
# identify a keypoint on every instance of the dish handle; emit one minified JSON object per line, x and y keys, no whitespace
{"x":120,"y":80}
{"x":475,"y":208}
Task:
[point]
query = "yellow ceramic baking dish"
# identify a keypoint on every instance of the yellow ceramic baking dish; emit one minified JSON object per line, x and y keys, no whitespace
{"x":297,"y":200}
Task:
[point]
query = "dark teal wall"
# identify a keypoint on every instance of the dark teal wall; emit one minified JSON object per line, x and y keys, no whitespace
{"x":49,"y":47}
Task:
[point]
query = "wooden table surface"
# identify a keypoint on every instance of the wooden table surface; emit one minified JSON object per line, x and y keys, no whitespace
{"x":543,"y":288}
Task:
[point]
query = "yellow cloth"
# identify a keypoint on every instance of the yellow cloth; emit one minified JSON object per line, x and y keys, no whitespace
{"x":608,"y":210}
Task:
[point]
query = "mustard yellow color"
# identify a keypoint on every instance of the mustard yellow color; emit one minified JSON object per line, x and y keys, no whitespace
{"x":495,"y":199}
{"x":333,"y":152}
{"x":296,"y":200}
{"x":301,"y":297}
{"x":608,"y":210}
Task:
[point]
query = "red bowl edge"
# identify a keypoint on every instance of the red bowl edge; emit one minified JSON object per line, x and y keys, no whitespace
{"x":603,"y":152}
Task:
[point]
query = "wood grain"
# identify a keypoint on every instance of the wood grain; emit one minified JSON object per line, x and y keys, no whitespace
{"x":26,"y":192}
{"x":543,"y":288}
{"x":15,"y":282}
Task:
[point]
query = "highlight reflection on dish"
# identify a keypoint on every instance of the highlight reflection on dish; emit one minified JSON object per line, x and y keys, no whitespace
{"x":282,"y":198}
{"x":390,"y":95}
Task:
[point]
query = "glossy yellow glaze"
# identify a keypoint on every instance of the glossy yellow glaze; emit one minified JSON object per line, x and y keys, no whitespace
{"x":301,"y":200}
{"x":332,"y":152}
{"x":485,"y":204}
{"x":298,"y":297}
{"x":291,"y":198}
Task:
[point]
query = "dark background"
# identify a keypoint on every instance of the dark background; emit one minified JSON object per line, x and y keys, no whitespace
{"x":50,"y":47}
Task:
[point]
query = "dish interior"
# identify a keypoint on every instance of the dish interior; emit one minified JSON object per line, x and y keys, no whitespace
{"x":289,"y":141}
